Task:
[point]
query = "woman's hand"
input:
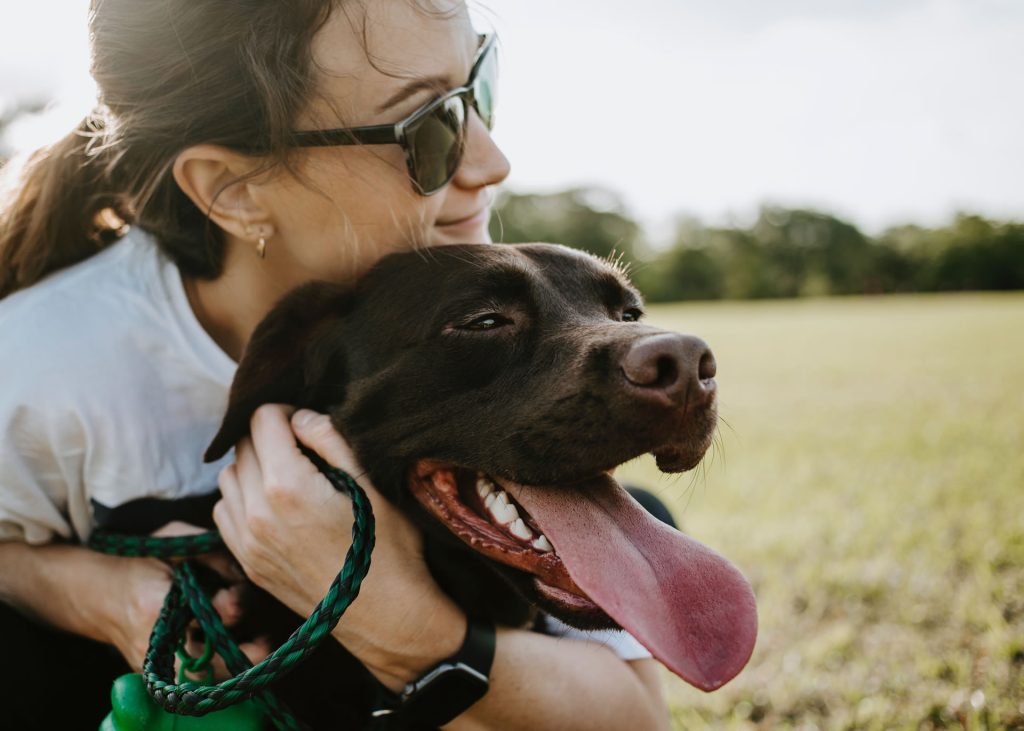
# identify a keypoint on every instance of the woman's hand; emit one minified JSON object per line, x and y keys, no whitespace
{"x":290,"y":530}
{"x":142,"y":585}
{"x":144,"y":582}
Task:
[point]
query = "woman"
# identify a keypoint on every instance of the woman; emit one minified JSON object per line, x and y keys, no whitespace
{"x":124,"y":357}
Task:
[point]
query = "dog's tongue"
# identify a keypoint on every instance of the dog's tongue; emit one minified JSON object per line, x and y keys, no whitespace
{"x":690,"y":607}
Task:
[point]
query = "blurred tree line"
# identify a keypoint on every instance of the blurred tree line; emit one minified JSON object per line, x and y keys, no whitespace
{"x":784,"y":253}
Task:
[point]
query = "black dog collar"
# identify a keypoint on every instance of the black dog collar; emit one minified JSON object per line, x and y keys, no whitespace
{"x":446,"y":690}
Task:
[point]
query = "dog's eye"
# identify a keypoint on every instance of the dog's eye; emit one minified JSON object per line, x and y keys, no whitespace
{"x":490,"y":321}
{"x":632,"y":314}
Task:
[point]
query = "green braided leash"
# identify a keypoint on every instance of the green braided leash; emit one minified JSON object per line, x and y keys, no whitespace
{"x":186,"y":601}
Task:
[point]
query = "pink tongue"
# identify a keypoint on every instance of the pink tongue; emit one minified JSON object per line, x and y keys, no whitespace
{"x":690,"y":607}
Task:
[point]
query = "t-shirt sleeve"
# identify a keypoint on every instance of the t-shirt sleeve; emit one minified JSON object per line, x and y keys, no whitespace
{"x":37,"y":462}
{"x":618,"y":641}
{"x":42,"y":442}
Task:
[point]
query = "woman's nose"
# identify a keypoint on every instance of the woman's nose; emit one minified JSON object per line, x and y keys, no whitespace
{"x":483,"y":162}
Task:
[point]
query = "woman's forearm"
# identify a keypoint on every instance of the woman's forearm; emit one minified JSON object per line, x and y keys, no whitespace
{"x":110,"y":599}
{"x":536,"y":682}
{"x":61,"y":585}
{"x":541,"y":682}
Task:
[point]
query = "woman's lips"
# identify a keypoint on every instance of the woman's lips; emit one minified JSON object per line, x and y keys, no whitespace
{"x":476,"y":219}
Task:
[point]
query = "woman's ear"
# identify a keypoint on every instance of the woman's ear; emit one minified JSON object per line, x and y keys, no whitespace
{"x":210,"y":176}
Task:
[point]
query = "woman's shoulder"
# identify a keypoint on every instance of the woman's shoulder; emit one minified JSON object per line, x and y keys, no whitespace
{"x":106,"y":286}
{"x":111,"y":319}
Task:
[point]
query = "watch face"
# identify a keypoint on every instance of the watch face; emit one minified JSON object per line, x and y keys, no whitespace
{"x":444,"y":694}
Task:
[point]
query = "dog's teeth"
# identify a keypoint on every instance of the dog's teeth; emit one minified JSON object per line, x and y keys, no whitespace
{"x":519,"y":530}
{"x":509,"y":514}
{"x":484,"y":487}
{"x":503,"y":513}
{"x":542,"y":544}
{"x":500,"y":508}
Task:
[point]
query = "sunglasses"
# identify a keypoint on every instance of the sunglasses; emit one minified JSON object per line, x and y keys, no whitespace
{"x":434,"y":136}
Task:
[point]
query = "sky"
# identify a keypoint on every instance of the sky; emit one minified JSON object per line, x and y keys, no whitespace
{"x":880,"y":111}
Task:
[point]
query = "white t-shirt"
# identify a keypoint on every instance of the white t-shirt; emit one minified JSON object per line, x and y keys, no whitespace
{"x":111,"y":391}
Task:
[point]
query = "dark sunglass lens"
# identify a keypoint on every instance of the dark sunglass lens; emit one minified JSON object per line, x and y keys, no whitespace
{"x":484,"y":87}
{"x":435,"y":145}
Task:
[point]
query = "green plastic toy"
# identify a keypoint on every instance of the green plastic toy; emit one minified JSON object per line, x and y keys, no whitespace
{"x":134,"y":710}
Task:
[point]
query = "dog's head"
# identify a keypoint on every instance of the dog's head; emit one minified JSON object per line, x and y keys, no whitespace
{"x":488,"y":390}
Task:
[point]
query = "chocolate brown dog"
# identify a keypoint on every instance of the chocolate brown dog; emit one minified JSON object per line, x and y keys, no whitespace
{"x":488,"y":390}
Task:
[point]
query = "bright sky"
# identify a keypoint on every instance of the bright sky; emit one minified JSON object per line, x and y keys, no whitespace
{"x":883,"y":111}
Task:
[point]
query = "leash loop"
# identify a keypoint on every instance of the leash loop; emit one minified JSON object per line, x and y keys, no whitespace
{"x":187,"y":601}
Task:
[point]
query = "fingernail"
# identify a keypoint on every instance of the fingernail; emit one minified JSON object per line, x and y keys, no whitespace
{"x":302,"y":417}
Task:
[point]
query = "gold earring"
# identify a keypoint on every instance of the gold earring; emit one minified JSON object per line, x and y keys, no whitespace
{"x":261,"y":248}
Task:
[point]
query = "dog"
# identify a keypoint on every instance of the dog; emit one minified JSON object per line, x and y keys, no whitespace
{"x":489,"y":391}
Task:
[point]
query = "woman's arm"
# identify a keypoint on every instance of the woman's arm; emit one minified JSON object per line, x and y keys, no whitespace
{"x":110,"y":599}
{"x":289,"y":528}
{"x":542,"y":682}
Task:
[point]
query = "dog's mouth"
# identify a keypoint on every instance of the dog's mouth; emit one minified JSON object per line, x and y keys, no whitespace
{"x":597,"y":558}
{"x":485,"y":516}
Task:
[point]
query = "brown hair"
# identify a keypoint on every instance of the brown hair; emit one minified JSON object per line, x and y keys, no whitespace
{"x":170,"y":74}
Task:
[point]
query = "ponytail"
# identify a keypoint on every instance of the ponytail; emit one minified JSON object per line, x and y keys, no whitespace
{"x":170,"y":75}
{"x":63,"y":208}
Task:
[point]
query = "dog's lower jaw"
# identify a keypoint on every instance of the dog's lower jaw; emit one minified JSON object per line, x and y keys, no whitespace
{"x":676,"y":460}
{"x":684,"y":456}
{"x":575,"y":609}
{"x":539,"y":575}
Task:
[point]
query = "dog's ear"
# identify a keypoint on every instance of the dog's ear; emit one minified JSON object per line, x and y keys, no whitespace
{"x":286,"y":357}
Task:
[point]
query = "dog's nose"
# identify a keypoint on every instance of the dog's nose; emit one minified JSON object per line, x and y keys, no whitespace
{"x":677,"y":366}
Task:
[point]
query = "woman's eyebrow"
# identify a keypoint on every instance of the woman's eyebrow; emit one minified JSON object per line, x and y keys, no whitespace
{"x":433,"y":83}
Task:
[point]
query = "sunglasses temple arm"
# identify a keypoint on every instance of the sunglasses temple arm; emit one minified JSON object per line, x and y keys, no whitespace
{"x":382,"y":134}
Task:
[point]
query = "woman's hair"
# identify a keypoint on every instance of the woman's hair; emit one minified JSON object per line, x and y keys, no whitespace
{"x":170,"y":74}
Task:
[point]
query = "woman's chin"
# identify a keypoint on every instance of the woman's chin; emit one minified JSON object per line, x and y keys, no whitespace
{"x":475,"y":233}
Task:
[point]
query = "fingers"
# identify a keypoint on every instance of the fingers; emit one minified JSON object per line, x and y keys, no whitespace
{"x":228,"y":604}
{"x":256,"y":651}
{"x":274,"y":443}
{"x":229,"y":511}
{"x":318,"y":433}
{"x":248,"y":472}
{"x":223,"y":564}
{"x":271,"y":457}
{"x":286,"y":476}
{"x":177,"y":528}
{"x":269,"y":454}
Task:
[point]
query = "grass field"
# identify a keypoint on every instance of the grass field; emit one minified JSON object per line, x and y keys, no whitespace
{"x":870,"y":483}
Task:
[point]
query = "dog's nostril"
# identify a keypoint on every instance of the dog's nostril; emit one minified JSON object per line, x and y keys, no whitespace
{"x":707,"y":368}
{"x":668,"y":372}
{"x":656,"y":362}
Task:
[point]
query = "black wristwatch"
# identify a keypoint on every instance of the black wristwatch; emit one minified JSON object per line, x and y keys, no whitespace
{"x":447,"y":689}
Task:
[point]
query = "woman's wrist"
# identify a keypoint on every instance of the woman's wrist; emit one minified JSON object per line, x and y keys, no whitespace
{"x":70,"y":587}
{"x":416,"y":637}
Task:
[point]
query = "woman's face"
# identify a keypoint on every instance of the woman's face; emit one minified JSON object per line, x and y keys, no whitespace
{"x":352,"y":204}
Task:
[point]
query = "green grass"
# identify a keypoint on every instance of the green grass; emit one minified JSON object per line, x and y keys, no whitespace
{"x":869,"y":481}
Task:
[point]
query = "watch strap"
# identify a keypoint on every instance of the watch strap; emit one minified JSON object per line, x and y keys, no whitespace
{"x":476,"y":655}
{"x":446,"y":690}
